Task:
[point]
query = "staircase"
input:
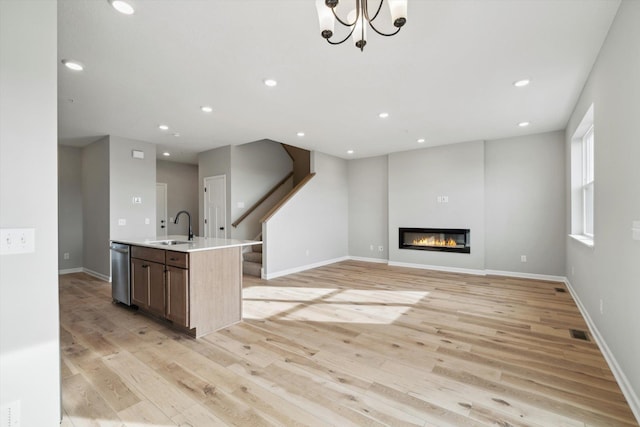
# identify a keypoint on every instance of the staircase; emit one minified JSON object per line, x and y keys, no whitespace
{"x":252,"y":261}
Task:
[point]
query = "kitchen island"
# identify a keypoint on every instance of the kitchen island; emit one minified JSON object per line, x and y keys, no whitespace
{"x":196,"y":285}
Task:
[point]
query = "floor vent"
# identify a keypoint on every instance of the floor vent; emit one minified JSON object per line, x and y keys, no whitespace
{"x":580,"y":335}
{"x":560,"y":290}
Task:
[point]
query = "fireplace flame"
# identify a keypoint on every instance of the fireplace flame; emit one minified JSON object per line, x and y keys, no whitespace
{"x":433,"y":241}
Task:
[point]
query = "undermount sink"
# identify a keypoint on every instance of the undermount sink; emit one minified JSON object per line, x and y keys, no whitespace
{"x":170,"y":242}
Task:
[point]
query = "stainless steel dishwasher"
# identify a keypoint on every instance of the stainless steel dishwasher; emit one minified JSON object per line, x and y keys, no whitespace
{"x":121,"y":273}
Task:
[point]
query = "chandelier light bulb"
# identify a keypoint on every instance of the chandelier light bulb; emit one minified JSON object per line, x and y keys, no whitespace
{"x":398,"y":10}
{"x":326,"y":19}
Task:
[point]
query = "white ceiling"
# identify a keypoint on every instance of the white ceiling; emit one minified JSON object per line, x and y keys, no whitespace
{"x":447,"y":76}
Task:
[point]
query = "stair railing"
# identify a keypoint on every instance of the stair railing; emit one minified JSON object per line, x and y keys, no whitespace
{"x":262,"y":199}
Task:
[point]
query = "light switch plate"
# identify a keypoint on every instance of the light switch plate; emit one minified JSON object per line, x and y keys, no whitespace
{"x":10,"y":414}
{"x":17,"y":241}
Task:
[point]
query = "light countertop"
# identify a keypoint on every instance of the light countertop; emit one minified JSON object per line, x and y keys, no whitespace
{"x":197,"y":244}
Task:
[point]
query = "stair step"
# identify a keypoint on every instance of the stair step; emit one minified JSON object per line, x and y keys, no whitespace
{"x":256,"y":248}
{"x":252,"y":268}
{"x":252,"y":257}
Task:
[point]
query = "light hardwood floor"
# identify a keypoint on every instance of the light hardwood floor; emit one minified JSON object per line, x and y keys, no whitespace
{"x":352,"y":343}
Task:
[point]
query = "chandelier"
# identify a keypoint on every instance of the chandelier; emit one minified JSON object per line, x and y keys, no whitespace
{"x":356,"y":19}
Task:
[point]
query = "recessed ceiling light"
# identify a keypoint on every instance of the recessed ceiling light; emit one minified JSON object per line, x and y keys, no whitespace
{"x":521,"y":83}
{"x":300,"y":134}
{"x":176,"y":134}
{"x":349,"y":151}
{"x":383,"y":115}
{"x":270,"y":82}
{"x":206,"y":109}
{"x":421,"y":140}
{"x":166,"y":153}
{"x":163,"y":127}
{"x":122,"y":7}
{"x":523,"y":124}
{"x":73,"y":65}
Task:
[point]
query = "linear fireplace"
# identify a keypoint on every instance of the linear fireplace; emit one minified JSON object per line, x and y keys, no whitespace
{"x":435,"y":239}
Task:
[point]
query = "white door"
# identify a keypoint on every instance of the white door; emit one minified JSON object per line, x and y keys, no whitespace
{"x":161,"y":209}
{"x":215,"y":206}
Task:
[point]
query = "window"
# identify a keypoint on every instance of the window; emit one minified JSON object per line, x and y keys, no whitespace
{"x":587,"y":183}
{"x":582,"y":180}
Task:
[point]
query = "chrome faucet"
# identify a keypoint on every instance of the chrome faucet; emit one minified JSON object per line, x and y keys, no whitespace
{"x":189,"y":216}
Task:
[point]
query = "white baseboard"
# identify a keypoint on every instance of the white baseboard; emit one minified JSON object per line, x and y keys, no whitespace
{"x":374,"y":260}
{"x":439,"y":268}
{"x":70,"y":271}
{"x":621,"y":378}
{"x":97,"y":275}
{"x":281,"y":273}
{"x":526,"y":275}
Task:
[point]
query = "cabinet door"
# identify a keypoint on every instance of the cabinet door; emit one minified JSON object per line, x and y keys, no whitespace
{"x":139,"y":283}
{"x":178,"y":295}
{"x":156,"y":288}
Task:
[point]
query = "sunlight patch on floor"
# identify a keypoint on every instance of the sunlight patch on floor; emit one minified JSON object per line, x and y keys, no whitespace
{"x":328,"y":305}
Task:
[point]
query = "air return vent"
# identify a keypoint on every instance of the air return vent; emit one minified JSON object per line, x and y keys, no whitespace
{"x":579,"y":335}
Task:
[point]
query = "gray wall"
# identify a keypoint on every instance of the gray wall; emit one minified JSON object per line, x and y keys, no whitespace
{"x":368,"y":207}
{"x":29,"y":325}
{"x":255,"y":168}
{"x":524,"y":204}
{"x":129,"y":178}
{"x":69,"y":207}
{"x":610,"y":271}
{"x":182,"y":193}
{"x":212,"y":163}
{"x":95,"y":207}
{"x":416,"y":179}
{"x":312,"y":228}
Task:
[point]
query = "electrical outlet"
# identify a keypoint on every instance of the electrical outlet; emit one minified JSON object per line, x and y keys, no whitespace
{"x":523,"y":258}
{"x":601,"y":306}
{"x":380,"y":248}
{"x":122,"y":221}
{"x":10,"y":414}
{"x":137,"y":200}
{"x":371,"y":247}
{"x":573,"y":271}
{"x":147,"y":221}
{"x":307,"y":252}
{"x":66,"y":255}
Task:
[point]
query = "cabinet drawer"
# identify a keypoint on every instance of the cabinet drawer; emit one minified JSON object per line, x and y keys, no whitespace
{"x":178,"y":259}
{"x":150,"y":254}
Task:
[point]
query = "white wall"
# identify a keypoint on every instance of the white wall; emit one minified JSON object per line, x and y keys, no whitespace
{"x":416,"y":179}
{"x":95,"y":207}
{"x":69,"y":207}
{"x":255,"y":168}
{"x":129,"y":178}
{"x":312,"y":228}
{"x":610,"y":271}
{"x":182,"y":193}
{"x":524,"y":204}
{"x":368,"y":207}
{"x":29,"y":324}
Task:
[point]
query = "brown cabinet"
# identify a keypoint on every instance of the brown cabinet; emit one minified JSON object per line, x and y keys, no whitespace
{"x":160,"y":283}
{"x":147,"y":285}
{"x":177,"y":307}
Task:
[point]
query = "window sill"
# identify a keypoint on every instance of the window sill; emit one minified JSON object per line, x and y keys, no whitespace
{"x":585,"y":240}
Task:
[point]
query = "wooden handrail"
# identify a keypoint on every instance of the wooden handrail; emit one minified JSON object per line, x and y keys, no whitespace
{"x":259,"y":202}
{"x":288,"y":196}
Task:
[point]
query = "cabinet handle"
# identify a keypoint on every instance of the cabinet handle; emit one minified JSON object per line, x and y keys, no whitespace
{"x":145,"y":265}
{"x":173,"y":259}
